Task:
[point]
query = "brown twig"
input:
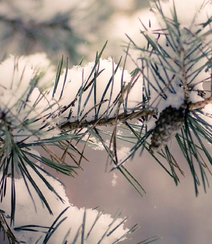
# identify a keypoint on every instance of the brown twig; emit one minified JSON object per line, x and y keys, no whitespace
{"x":198,"y":105}
{"x":4,"y":226}
{"x":122,"y":117}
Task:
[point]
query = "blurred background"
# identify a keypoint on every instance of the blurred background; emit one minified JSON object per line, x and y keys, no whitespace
{"x":77,"y":30}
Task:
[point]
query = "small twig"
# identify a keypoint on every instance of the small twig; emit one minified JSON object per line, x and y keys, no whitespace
{"x":122,"y":117}
{"x":197,"y":105}
{"x":4,"y":226}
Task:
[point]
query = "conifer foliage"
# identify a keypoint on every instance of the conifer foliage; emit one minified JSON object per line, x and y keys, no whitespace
{"x":165,"y":100}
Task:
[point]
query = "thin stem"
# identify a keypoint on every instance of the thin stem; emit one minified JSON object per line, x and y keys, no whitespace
{"x":122,"y":117}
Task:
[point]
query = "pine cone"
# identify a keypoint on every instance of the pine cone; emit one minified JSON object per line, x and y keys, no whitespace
{"x":168,"y":124}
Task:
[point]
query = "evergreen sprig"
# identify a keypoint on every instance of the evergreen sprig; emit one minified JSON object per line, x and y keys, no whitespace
{"x":83,"y":232}
{"x":174,"y":59}
{"x":170,"y":65}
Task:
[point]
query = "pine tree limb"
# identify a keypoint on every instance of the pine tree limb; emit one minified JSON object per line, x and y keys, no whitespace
{"x":122,"y":117}
{"x":198,"y":105}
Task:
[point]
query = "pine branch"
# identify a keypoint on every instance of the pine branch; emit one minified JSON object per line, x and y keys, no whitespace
{"x":176,"y":63}
{"x":122,"y":117}
{"x":197,"y":105}
{"x":5,"y":228}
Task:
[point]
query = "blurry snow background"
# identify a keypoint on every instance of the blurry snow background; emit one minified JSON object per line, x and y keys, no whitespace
{"x":76,"y":29}
{"x":171,"y":212}
{"x":30,"y":214}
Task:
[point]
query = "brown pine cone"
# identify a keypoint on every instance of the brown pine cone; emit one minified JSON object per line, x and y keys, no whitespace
{"x":168,"y":124}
